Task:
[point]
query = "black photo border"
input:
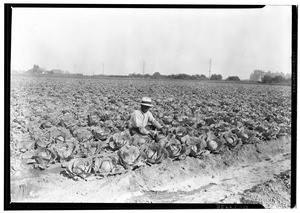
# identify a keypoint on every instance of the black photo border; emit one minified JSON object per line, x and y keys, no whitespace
{"x":8,"y":205}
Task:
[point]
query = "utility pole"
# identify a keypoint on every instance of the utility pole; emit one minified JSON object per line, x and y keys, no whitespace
{"x":209,"y":68}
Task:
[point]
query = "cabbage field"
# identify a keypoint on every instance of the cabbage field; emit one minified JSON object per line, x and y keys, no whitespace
{"x":70,"y":131}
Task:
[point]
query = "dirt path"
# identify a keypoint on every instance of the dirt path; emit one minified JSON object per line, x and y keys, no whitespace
{"x":224,"y":187}
{"x":232,"y":177}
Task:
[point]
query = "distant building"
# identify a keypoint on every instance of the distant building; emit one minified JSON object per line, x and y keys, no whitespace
{"x":57,"y":71}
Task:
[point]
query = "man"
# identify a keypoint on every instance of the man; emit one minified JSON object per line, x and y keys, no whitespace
{"x":139,"y":119}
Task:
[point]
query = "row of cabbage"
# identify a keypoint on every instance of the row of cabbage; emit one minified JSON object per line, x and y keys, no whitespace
{"x":83,"y":123}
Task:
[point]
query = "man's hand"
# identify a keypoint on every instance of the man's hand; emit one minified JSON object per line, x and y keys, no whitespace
{"x":164,"y":130}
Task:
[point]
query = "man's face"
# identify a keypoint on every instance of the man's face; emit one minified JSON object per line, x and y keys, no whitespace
{"x":144,"y":108}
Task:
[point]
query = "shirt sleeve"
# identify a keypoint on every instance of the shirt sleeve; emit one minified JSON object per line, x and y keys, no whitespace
{"x":153,"y":121}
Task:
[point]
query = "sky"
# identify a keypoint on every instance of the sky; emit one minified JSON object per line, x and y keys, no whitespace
{"x":117,"y":41}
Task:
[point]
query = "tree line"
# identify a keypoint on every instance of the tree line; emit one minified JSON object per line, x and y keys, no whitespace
{"x":270,"y":77}
{"x":256,"y":75}
{"x":157,"y":75}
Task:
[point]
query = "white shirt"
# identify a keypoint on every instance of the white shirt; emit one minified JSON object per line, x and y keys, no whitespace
{"x":138,"y":119}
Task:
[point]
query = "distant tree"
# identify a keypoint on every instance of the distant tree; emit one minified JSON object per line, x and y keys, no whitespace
{"x":288,"y":75}
{"x":171,"y":76}
{"x":136,"y":75}
{"x":194,"y":76}
{"x":256,"y":75}
{"x":278,"y":79}
{"x":266,"y":79}
{"x":35,"y":70}
{"x":35,"y":67}
{"x":233,"y":78}
{"x":183,"y":76}
{"x":216,"y":77}
{"x":274,"y":74}
{"x":269,"y":73}
{"x":202,"y":77}
{"x":156,"y":75}
{"x":288,"y":79}
{"x":213,"y":77}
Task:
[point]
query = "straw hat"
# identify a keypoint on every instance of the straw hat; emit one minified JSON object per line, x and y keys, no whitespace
{"x":146,"y":102}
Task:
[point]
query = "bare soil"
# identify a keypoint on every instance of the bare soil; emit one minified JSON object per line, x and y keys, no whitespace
{"x":257,"y":173}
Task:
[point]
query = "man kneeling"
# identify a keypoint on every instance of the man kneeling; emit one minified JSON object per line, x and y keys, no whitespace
{"x":139,"y":119}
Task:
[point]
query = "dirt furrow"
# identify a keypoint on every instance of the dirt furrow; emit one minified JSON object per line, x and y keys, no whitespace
{"x":221,"y":178}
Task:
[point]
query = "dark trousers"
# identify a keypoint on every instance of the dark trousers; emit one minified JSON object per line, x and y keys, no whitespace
{"x":135,"y":130}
